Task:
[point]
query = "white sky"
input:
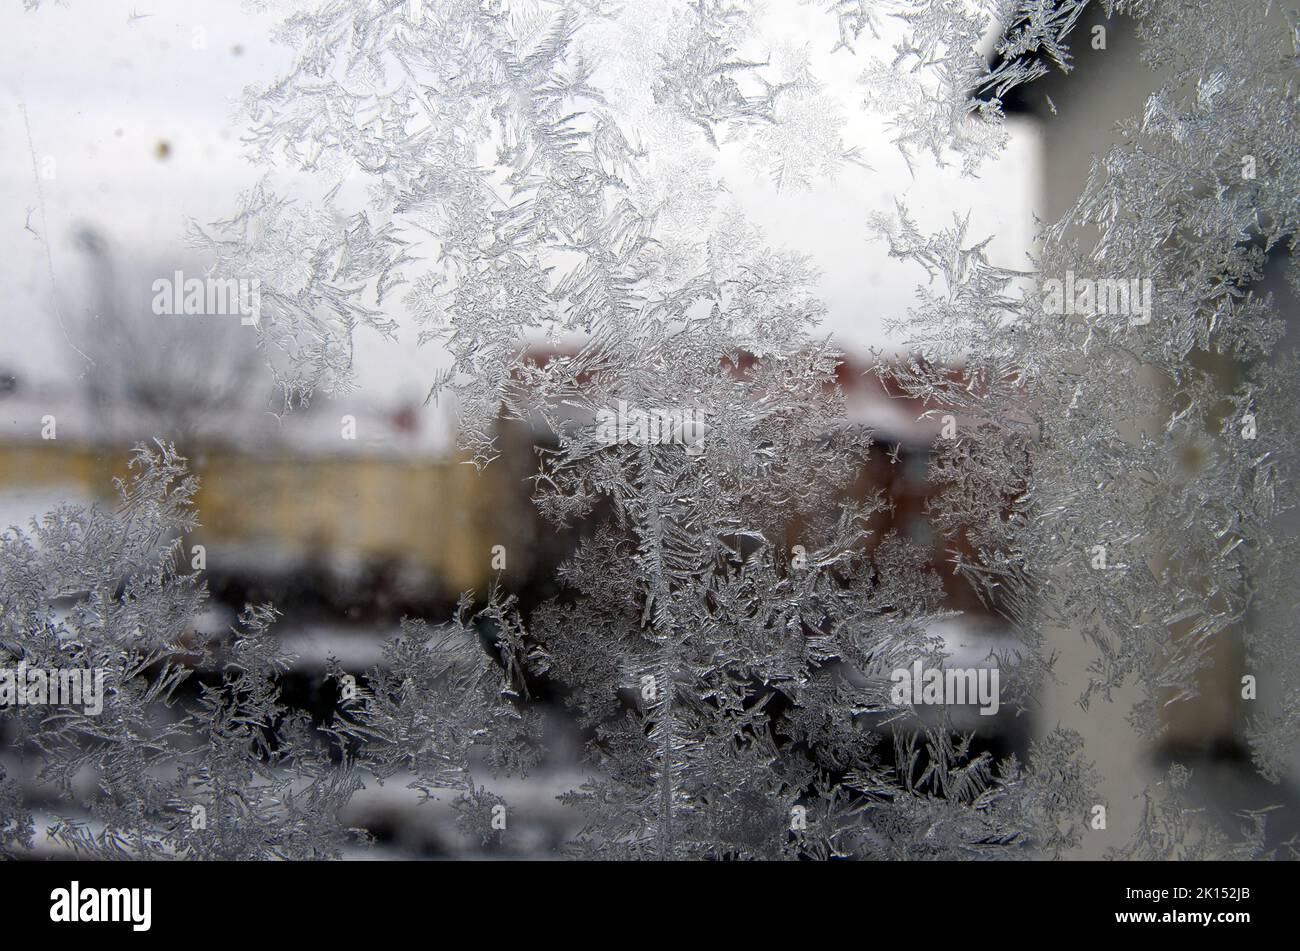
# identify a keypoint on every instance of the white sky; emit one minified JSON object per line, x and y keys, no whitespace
{"x":101,"y":92}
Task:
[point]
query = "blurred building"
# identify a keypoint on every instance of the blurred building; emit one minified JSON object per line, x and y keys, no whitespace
{"x":1078,"y":118}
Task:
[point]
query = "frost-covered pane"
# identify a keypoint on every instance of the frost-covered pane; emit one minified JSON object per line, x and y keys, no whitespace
{"x":519,"y":379}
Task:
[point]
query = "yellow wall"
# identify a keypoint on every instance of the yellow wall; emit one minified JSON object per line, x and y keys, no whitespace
{"x":434,"y":514}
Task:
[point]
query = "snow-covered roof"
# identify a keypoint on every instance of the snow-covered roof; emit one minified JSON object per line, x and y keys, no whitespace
{"x":339,"y":427}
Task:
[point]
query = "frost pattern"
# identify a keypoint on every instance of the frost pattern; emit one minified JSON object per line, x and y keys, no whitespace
{"x":730,"y":688}
{"x":88,"y":588}
{"x":1189,"y":505}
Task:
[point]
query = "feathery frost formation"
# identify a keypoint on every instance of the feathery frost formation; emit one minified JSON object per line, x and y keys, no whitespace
{"x":536,"y":184}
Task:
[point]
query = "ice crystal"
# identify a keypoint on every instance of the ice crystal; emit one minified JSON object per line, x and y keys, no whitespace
{"x":233,"y":772}
{"x":1172,"y":829}
{"x":1186,"y":506}
{"x":726,"y":630}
